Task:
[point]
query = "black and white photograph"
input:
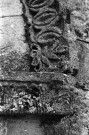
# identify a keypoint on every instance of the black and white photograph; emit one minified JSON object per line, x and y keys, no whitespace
{"x":44,"y":67}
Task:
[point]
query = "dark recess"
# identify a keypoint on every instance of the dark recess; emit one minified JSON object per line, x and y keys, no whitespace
{"x":68,"y":16}
{"x":77,"y":32}
{"x":55,"y":5}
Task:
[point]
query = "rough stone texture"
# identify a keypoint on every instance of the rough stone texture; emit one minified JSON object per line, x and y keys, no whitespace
{"x":13,"y":50}
{"x":56,"y":91}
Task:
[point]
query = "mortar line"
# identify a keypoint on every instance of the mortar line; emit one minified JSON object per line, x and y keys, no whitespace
{"x":10,"y":16}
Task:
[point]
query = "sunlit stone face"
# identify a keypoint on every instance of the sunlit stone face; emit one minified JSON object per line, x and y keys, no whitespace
{"x":8,"y":7}
{"x":12,"y":46}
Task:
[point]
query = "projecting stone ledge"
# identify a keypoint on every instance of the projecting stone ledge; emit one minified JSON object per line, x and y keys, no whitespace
{"x":24,"y":76}
{"x":52,"y":96}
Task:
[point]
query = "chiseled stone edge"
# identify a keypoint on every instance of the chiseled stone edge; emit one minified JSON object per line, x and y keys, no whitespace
{"x":24,"y":76}
{"x":14,"y":95}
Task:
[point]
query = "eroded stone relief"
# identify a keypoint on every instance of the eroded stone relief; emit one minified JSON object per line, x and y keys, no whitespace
{"x":44,"y":64}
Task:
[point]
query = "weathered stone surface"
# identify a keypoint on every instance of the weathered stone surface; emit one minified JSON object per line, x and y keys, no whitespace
{"x":13,"y":50}
{"x":10,"y":8}
{"x":44,"y":68}
{"x":22,"y":125}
